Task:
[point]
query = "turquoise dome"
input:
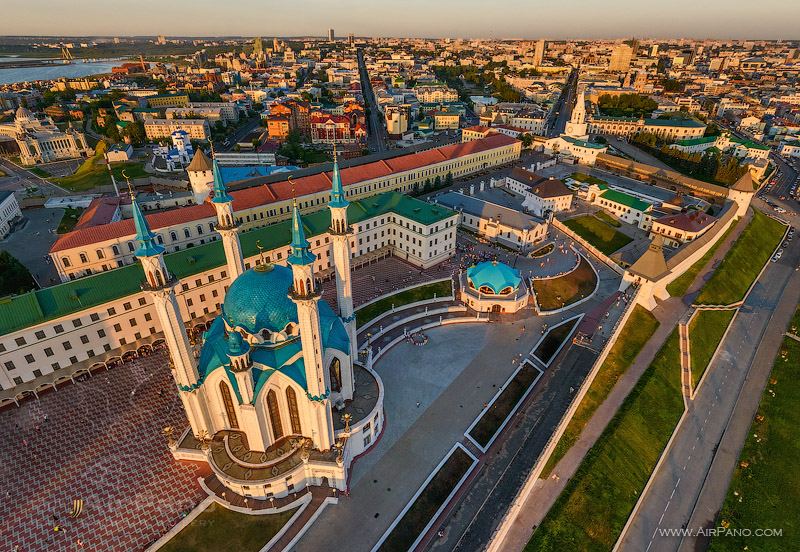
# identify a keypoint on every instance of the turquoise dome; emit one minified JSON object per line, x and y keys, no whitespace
{"x":494,"y":275}
{"x":259,"y":300}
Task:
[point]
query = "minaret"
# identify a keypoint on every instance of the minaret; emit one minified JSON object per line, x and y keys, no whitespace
{"x":305,"y":294}
{"x":227,"y":226}
{"x":161,"y":287}
{"x":341,"y":233}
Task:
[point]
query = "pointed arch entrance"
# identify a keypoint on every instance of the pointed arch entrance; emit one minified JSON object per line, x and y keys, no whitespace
{"x":227,"y":401}
{"x":274,"y":414}
{"x":335,"y":372}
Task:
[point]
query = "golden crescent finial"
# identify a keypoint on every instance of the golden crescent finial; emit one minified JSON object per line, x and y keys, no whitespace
{"x":128,"y":180}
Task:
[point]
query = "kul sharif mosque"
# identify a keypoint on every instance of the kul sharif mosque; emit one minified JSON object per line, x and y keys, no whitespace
{"x":274,"y":393}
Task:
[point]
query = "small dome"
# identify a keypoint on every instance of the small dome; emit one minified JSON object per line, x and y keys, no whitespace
{"x":23,"y":114}
{"x":236,"y":345}
{"x":258,"y":300}
{"x":498,"y":277}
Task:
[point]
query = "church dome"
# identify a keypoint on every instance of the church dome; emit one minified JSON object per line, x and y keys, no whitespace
{"x":258,"y":300}
{"x":493,"y":277}
{"x":23,"y":114}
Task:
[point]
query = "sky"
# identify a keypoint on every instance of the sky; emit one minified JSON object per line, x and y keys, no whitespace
{"x":765,"y":19}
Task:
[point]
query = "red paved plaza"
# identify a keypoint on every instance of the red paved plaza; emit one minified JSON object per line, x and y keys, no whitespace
{"x":99,"y":440}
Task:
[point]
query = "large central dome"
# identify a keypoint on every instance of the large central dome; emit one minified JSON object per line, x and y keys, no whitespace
{"x":258,"y":300}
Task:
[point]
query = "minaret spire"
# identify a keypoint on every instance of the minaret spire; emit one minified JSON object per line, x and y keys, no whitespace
{"x":227,"y":227}
{"x":341,"y":234}
{"x":305,"y":295}
{"x":160,"y":285}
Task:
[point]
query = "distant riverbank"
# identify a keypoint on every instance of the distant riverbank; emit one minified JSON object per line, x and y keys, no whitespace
{"x":75,"y":69}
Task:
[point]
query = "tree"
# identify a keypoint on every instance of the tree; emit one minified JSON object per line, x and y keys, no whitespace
{"x":14,"y":277}
{"x":712,"y":130}
{"x":135,"y":132}
{"x":526,"y":140}
{"x":448,"y":179}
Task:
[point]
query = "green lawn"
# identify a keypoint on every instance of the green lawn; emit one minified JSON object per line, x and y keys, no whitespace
{"x":705,"y":333}
{"x":427,"y":291}
{"x":221,"y":529}
{"x":765,"y":488}
{"x":91,"y":175}
{"x":39,"y":172}
{"x":794,"y":325}
{"x":555,"y":293}
{"x":744,"y":261}
{"x":598,"y":233}
{"x":542,"y":251}
{"x":608,"y":219}
{"x":587,"y":178}
{"x":639,"y":328}
{"x":69,"y":219}
{"x":591,"y":511}
{"x":491,"y":420}
{"x":680,"y":285}
{"x":427,"y":503}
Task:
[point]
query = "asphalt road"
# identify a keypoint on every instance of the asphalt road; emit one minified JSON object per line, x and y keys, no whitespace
{"x":686,"y":491}
{"x":377,"y":133}
{"x":246,"y":129}
{"x":564,"y":105}
{"x":19,"y":179}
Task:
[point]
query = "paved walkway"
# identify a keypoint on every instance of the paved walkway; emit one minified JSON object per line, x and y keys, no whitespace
{"x":546,"y":492}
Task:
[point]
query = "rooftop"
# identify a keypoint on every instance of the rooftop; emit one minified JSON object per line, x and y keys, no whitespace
{"x":45,"y":304}
{"x":625,"y":199}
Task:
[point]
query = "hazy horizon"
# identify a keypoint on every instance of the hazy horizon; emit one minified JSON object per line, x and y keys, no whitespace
{"x":510,"y":19}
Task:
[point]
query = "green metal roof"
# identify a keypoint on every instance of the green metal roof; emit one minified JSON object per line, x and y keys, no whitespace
{"x":697,"y":141}
{"x":583,"y":143}
{"x":625,"y":199}
{"x":674,"y":123}
{"x":45,"y":304}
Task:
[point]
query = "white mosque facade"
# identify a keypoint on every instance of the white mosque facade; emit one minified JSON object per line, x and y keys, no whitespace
{"x":270,"y":392}
{"x":41,"y":141}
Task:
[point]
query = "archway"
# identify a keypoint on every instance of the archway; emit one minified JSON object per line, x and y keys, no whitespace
{"x":335,"y":372}
{"x":274,"y":415}
{"x":227,"y":401}
{"x":294,"y":412}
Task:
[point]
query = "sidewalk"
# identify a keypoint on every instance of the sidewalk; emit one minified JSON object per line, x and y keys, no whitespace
{"x":545,"y":492}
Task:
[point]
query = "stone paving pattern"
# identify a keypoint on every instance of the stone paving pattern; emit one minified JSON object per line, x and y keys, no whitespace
{"x":98,"y":440}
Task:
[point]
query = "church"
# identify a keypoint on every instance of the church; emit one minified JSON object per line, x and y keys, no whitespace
{"x":274,"y":393}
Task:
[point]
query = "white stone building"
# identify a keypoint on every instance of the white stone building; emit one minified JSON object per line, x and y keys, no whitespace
{"x":41,"y":141}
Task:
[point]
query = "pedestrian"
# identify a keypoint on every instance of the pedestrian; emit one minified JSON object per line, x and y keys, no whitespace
{"x":418,"y":403}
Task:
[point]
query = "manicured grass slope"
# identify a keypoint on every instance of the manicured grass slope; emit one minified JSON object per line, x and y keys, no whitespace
{"x":598,"y":233}
{"x":69,"y":219}
{"x":679,"y":286}
{"x":705,"y":333}
{"x":562,"y":291}
{"x":639,"y":328}
{"x":590,"y":513}
{"x":369,"y":312}
{"x":765,"y":489}
{"x":744,"y":261}
{"x":221,"y":529}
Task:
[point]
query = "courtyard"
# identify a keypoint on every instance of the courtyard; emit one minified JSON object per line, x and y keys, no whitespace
{"x":100,"y":441}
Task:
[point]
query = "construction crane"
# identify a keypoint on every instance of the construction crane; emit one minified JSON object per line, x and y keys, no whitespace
{"x":66,"y":55}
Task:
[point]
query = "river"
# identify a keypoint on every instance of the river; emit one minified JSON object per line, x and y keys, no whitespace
{"x":76,"y":69}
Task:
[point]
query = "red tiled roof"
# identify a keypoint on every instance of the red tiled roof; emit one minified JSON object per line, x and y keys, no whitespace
{"x":693,"y":221}
{"x":100,"y":211}
{"x":264,"y":194}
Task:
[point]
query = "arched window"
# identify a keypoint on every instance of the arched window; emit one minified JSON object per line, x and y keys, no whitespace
{"x":308,"y":286}
{"x":199,"y":229}
{"x":186,"y":233}
{"x":335,"y":372}
{"x":159,"y":278}
{"x":84,"y":258}
{"x":173,"y":236}
{"x":131,"y":247}
{"x":115,"y":249}
{"x":274,"y":415}
{"x":99,"y":253}
{"x":227,"y":401}
{"x":294,"y":413}
{"x":65,"y":262}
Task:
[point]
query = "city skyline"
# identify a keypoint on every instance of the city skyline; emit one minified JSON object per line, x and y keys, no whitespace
{"x":576,"y":19}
